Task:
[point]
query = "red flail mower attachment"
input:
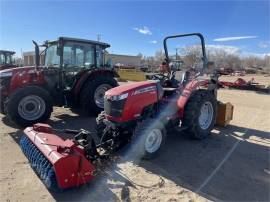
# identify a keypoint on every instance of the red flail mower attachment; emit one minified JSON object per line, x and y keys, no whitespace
{"x":61,"y":164}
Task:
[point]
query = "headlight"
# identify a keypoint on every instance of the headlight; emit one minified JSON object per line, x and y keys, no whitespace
{"x":5,"y":74}
{"x":119,"y":97}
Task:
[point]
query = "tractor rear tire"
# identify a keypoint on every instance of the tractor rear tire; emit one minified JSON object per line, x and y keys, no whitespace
{"x":200,"y":114}
{"x":29,"y":105}
{"x":149,"y":138}
{"x":87,"y":95}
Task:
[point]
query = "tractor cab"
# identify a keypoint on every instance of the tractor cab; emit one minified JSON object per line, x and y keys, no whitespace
{"x":6,"y":59}
{"x":72,"y":57}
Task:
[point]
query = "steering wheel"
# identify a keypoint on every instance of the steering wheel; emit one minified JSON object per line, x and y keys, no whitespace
{"x":158,"y":77}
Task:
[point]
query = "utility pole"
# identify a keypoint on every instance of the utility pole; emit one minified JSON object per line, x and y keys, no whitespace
{"x":21,"y":59}
{"x":98,"y":37}
{"x":176,"y":53}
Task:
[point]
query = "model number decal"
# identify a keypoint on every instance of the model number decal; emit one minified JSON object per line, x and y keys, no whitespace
{"x":144,"y":90}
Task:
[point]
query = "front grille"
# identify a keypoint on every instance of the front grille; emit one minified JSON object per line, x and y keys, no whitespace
{"x":114,"y":108}
{"x":4,"y":82}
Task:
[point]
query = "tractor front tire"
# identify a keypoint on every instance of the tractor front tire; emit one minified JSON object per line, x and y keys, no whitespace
{"x":200,"y":114}
{"x":149,"y":138}
{"x":29,"y":105}
{"x":92,"y":94}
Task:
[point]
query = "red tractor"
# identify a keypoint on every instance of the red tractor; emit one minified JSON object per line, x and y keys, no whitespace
{"x":137,"y":114}
{"x":74,"y":74}
{"x":6,"y":59}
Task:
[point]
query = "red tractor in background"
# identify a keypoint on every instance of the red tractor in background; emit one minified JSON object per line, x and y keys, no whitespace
{"x":137,"y":114}
{"x":6,"y":59}
{"x":74,"y":73}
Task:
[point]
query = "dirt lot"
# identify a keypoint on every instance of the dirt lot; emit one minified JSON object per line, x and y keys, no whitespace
{"x":231,"y":165}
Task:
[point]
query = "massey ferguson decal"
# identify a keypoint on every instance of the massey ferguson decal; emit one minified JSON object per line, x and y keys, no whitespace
{"x":144,"y":90}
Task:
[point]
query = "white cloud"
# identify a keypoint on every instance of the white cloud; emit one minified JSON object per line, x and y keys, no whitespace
{"x":235,"y":38}
{"x":228,"y":49}
{"x":154,"y":41}
{"x":214,"y":49}
{"x":259,"y":55}
{"x":264,"y":44}
{"x":234,"y":50}
{"x":144,"y":30}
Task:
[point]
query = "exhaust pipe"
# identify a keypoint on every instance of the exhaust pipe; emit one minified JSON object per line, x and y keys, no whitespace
{"x":37,"y":57}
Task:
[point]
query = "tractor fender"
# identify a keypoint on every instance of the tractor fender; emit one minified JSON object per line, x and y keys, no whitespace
{"x":89,"y":75}
{"x":26,"y":77}
{"x":188,"y":90}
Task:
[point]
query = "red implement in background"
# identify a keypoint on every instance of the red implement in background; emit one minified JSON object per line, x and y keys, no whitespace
{"x":244,"y":85}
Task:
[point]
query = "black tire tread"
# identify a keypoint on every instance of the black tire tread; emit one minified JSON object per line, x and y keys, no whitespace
{"x":87,"y":93}
{"x":13,"y":100}
{"x":192,"y":112}
{"x":143,"y":127}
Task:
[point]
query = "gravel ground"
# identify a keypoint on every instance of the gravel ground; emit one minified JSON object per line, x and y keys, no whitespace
{"x":231,"y":165}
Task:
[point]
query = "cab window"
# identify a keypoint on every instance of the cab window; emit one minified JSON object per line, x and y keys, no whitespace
{"x":99,"y":54}
{"x":2,"y":58}
{"x":52,"y":59}
{"x":78,"y":56}
{"x":9,"y":60}
{"x":89,"y":57}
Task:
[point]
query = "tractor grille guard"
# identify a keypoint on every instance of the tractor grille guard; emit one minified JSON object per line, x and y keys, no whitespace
{"x":114,"y":108}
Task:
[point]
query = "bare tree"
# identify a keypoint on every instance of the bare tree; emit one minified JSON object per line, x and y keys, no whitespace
{"x":191,"y":55}
{"x":159,"y":56}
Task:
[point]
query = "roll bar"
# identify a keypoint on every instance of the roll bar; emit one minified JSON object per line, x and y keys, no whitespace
{"x":204,"y":58}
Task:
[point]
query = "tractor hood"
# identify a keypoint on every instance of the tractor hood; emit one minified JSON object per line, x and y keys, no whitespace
{"x":10,"y":72}
{"x":7,"y":66}
{"x":133,"y":88}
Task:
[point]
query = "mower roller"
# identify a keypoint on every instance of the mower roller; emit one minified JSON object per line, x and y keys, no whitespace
{"x":136,"y":114}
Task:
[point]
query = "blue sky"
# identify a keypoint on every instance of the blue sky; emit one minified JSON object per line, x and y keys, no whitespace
{"x":137,"y":26}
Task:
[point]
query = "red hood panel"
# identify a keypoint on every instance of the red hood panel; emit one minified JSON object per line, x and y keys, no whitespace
{"x":128,"y":87}
{"x":17,"y":69}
